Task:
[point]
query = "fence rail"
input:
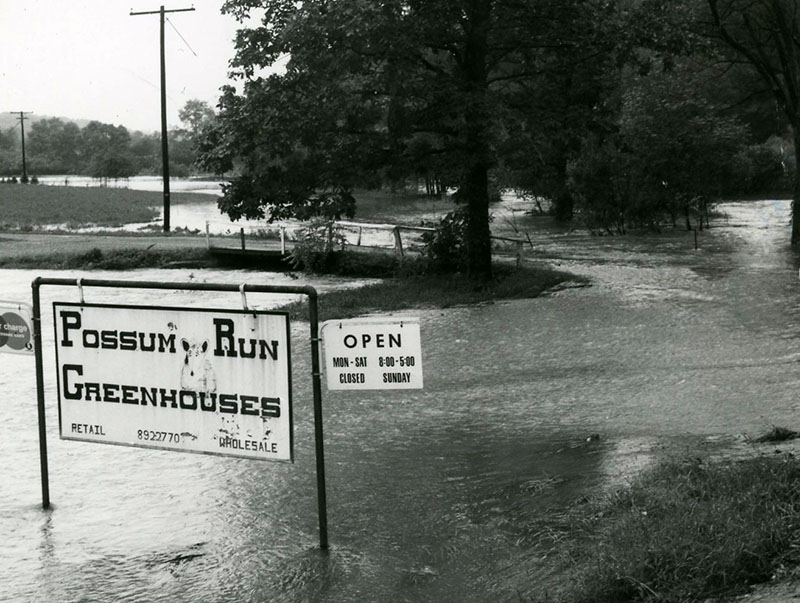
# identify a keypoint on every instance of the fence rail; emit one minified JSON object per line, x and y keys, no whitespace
{"x":360,"y":234}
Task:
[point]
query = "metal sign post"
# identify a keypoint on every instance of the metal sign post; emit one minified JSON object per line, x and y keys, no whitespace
{"x":142,"y":399}
{"x":37,"y":350}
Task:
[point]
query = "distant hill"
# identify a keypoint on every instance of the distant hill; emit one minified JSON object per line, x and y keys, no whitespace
{"x":9,"y":120}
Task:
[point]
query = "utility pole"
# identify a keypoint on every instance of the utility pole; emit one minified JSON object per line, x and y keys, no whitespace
{"x":22,"y":119}
{"x":164,"y":145}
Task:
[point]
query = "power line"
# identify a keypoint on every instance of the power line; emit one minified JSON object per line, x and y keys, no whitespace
{"x":181,"y":37}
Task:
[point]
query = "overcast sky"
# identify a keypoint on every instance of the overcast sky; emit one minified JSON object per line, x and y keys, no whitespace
{"x":89,"y":59}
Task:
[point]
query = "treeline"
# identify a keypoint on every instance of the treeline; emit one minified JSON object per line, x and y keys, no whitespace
{"x":55,"y":146}
{"x":623,"y":113}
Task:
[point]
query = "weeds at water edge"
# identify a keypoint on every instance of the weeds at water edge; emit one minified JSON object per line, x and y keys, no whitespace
{"x":778,"y":434}
{"x":685,"y":531}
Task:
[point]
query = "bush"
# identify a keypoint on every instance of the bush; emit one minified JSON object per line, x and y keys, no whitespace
{"x":758,"y":168}
{"x":316,"y":247}
{"x":446,"y":247}
{"x":599,"y":179}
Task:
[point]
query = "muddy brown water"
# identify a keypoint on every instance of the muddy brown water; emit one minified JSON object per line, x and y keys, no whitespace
{"x":433,"y":494}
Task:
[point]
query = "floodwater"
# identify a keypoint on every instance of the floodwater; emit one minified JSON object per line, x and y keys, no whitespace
{"x":206,"y":216}
{"x":191,"y":216}
{"x":434,"y":495}
{"x":138,"y":183}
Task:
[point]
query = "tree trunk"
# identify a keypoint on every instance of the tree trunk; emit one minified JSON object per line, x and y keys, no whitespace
{"x":563,"y":201}
{"x":477,"y":118}
{"x":479,"y":242}
{"x":564,"y":204}
{"x":796,"y":188}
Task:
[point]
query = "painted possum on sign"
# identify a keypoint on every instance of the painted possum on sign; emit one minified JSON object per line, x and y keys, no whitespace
{"x":197,"y":373}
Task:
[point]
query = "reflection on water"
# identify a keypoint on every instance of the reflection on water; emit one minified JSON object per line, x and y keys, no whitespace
{"x":137,"y":183}
{"x":434,"y":495}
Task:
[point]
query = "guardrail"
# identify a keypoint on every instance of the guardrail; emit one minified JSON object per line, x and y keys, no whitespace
{"x":397,"y":230}
{"x":358,"y":231}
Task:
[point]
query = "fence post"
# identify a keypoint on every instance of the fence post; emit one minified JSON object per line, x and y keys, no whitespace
{"x":398,"y":241}
{"x":208,"y":237}
{"x":283,"y":240}
{"x":241,"y":234}
{"x":329,"y":246}
{"x":518,"y":245}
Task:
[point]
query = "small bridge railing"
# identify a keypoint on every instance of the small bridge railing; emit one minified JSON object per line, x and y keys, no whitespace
{"x":400,"y":237}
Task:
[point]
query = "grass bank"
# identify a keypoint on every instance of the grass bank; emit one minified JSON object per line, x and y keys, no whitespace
{"x":434,"y":291}
{"x":686,"y":530}
{"x":27,"y":207}
{"x":113,"y":259}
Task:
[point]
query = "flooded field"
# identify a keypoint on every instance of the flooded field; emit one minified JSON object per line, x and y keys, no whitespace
{"x":432,"y":494}
{"x":137,"y":183}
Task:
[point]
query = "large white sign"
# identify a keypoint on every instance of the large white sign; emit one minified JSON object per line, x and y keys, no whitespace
{"x":194,"y":380}
{"x":16,"y":335}
{"x":372,"y":354}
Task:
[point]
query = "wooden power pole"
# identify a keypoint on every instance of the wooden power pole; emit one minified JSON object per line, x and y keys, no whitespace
{"x":22,"y":119}
{"x":164,"y":145}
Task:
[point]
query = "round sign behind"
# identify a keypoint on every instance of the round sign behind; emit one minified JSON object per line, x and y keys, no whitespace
{"x":14,"y":331}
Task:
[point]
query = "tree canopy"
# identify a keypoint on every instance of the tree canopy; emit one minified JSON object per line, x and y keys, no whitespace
{"x":626,"y":111}
{"x":377,"y":92}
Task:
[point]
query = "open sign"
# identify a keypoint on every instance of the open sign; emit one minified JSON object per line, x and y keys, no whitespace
{"x":373,"y":354}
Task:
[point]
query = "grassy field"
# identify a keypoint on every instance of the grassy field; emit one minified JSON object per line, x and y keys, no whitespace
{"x":26,"y":207}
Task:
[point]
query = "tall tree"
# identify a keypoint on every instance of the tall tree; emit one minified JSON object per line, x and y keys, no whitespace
{"x":766,"y":33}
{"x":195,"y":115}
{"x":374,"y":90}
{"x":53,"y":146}
{"x":105,"y":150}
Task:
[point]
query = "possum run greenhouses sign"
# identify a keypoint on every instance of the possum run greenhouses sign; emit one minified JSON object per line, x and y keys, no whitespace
{"x":209,"y":381}
{"x":193,"y":380}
